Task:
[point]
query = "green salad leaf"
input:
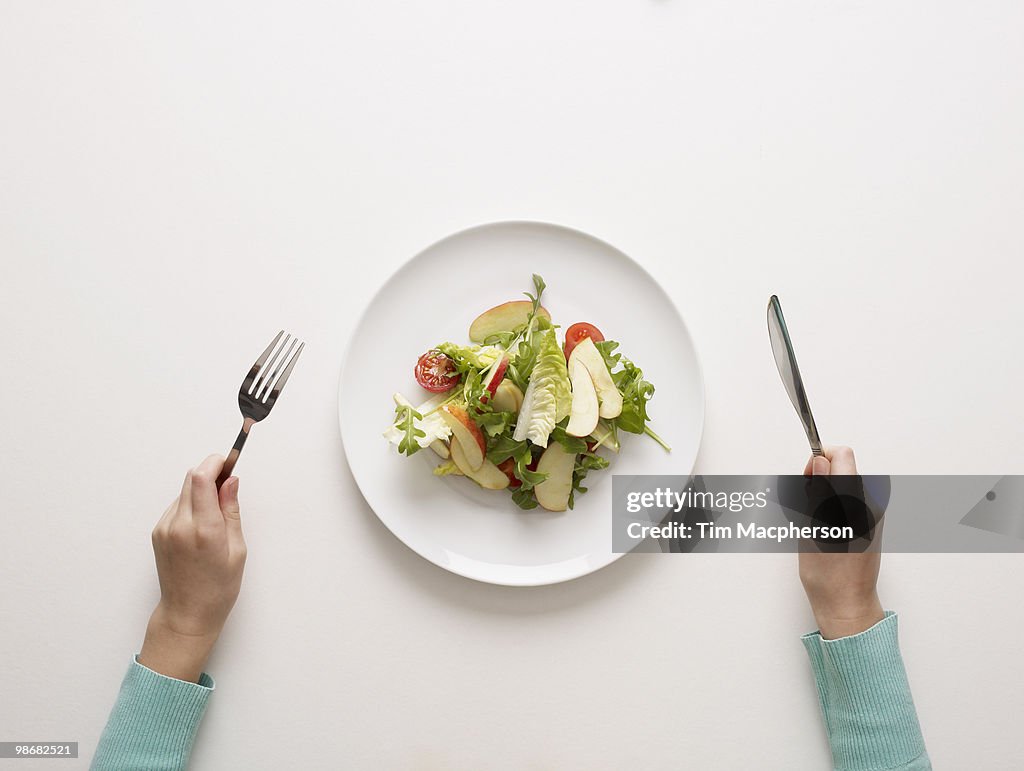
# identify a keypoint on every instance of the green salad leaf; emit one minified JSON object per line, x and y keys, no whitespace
{"x":495,"y":423}
{"x":470,"y":357}
{"x":548,"y":396}
{"x":635,"y":390}
{"x":524,"y":355}
{"x":607,"y":350}
{"x":524,"y":499}
{"x":524,"y":474}
{"x":406,"y":417}
{"x":446,"y":468}
{"x":586,"y":461}
{"x":573,"y":444}
{"x":538,"y":286}
{"x":503,"y":448}
{"x":473,"y":391}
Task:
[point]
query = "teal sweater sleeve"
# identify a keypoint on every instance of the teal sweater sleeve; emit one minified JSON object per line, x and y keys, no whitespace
{"x":865,"y":699}
{"x":153,"y":723}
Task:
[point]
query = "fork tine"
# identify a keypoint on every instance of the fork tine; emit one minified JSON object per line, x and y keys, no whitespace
{"x":260,"y":390}
{"x":261,"y":379}
{"x":260,"y":394}
{"x":258,"y":364}
{"x":279,"y":385}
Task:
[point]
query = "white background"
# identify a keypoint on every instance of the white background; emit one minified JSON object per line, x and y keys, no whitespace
{"x":178,"y":181}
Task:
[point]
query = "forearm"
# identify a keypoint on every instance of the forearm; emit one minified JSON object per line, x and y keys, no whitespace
{"x":865,"y":700}
{"x":200,"y":555}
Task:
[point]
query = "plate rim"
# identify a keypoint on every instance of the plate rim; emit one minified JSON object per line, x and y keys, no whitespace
{"x":347,"y":352}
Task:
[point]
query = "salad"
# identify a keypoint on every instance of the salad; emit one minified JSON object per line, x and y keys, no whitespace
{"x":518,"y":411}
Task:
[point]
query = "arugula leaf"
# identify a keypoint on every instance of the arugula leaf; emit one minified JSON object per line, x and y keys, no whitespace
{"x":406,"y":423}
{"x":525,"y":475}
{"x":573,"y":444}
{"x":538,"y":286}
{"x":503,"y":448}
{"x":524,"y":356}
{"x":477,"y":399}
{"x":524,"y":499}
{"x":503,"y":339}
{"x":607,"y":350}
{"x":520,"y":365}
{"x":473,"y":390}
{"x":495,"y":423}
{"x":636,"y":392}
{"x":585,"y":462}
{"x":606,"y":435}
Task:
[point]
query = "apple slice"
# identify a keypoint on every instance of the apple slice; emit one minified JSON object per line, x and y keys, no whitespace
{"x":557,"y":463}
{"x":583,"y":415}
{"x":440,"y":448}
{"x":465,"y":433}
{"x":502,"y":318}
{"x":496,"y":375}
{"x":608,"y":395}
{"x":507,"y":398}
{"x":487,"y":475}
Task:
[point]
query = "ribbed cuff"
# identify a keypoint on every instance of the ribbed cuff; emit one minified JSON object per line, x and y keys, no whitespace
{"x":154,"y":722}
{"x":865,"y":699}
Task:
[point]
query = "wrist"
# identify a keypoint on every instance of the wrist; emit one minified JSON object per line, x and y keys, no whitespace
{"x":848,"y":618}
{"x":173,"y":650}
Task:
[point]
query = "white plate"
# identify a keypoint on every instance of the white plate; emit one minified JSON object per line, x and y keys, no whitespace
{"x":478,"y":533}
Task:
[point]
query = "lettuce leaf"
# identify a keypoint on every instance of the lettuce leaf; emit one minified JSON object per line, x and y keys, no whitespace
{"x":468,"y":357}
{"x":548,"y":397}
{"x":446,"y":468}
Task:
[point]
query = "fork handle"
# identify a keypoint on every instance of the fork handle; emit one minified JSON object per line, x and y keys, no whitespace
{"x":236,"y":450}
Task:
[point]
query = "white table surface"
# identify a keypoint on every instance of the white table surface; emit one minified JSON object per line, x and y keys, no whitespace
{"x":177,"y":181}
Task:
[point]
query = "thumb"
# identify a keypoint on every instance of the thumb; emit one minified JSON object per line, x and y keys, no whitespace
{"x":820,"y":467}
{"x":229,"y":501}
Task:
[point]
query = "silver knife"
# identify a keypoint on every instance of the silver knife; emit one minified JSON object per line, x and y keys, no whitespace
{"x":785,"y":360}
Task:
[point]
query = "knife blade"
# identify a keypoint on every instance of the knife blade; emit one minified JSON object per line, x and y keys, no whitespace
{"x":789,"y":371}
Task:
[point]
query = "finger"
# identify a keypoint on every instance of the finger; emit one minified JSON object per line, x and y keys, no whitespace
{"x":842,"y":461}
{"x":820,"y":466}
{"x":168,"y":514}
{"x":205,"y":506}
{"x":229,"y":499}
{"x":230,"y":509}
{"x":182,"y":507}
{"x":809,"y":467}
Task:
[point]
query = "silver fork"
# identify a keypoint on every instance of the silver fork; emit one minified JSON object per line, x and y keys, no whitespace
{"x":260,"y":389}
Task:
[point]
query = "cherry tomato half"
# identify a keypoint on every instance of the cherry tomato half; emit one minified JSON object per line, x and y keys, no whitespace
{"x":577,"y":332}
{"x":508,"y":466}
{"x":436,"y":372}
